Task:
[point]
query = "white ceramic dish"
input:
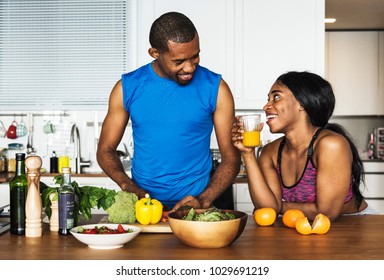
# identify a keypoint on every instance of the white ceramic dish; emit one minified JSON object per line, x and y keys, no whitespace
{"x":105,"y":241}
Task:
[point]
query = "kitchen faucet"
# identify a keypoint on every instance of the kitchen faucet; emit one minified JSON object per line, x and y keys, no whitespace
{"x":76,"y":140}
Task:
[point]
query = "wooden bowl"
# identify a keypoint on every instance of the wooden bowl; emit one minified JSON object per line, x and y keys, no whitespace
{"x":207,"y":234}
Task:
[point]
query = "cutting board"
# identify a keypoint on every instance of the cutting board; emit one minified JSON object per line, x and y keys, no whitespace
{"x":160,"y":227}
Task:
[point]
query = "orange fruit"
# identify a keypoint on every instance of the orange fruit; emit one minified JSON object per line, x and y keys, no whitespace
{"x":265,"y":216}
{"x":302,"y":226}
{"x":290,"y":217}
{"x":320,"y":225}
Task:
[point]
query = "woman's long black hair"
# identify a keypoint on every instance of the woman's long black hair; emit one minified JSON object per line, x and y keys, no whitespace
{"x":316,"y":96}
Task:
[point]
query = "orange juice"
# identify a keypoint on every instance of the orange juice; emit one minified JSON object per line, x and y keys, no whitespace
{"x":251,"y":138}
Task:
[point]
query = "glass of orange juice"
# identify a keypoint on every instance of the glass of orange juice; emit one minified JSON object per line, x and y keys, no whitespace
{"x":251,"y":126}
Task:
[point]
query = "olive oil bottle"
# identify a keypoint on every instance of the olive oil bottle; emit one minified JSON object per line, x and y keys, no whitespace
{"x":18,"y":195}
{"x":66,"y":203}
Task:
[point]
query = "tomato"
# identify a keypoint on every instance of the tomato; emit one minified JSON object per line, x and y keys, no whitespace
{"x":103,"y":230}
{"x":89,"y":231}
{"x":120,"y":229}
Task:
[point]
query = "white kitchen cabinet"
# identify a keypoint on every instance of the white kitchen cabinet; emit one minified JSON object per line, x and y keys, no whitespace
{"x":4,"y":194}
{"x":353,"y":70}
{"x":214,"y":21}
{"x":381,"y":73}
{"x":271,"y":39}
{"x":374,"y":186}
{"x":375,"y":195}
{"x":249,"y":42}
{"x":242,"y":198}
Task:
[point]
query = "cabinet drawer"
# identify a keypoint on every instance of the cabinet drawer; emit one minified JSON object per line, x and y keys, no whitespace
{"x":374,"y":186}
{"x":377,"y":204}
{"x":242,"y":193}
{"x":245,"y":207}
{"x":373,"y":167}
{"x":242,"y":198}
{"x":4,"y":194}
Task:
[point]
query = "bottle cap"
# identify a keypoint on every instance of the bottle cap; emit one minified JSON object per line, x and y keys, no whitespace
{"x":66,"y":170}
{"x":20,"y":156}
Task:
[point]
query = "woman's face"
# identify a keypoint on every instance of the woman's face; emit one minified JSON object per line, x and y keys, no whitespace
{"x":282,"y":109}
{"x":179,"y":62}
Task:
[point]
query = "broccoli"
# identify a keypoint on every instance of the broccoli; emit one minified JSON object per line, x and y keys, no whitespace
{"x":122,"y":211}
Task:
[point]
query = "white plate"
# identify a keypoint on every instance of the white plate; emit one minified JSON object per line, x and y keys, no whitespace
{"x":105,"y":241}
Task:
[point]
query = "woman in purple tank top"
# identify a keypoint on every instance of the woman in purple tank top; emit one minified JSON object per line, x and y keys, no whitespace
{"x":315,"y":166}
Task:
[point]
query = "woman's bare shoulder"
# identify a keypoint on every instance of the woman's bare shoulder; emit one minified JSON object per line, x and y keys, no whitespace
{"x":331,"y":140}
{"x":332,"y":145}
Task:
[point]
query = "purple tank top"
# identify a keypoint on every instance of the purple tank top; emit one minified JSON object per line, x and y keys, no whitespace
{"x":304,"y":190}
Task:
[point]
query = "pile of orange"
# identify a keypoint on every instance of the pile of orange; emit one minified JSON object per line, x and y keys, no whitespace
{"x":295,"y":218}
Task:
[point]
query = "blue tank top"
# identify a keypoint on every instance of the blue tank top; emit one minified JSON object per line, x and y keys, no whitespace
{"x":172,"y":126}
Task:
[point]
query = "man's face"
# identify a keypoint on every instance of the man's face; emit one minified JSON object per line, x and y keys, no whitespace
{"x":179,"y":62}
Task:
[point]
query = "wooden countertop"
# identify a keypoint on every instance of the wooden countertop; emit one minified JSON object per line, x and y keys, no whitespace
{"x":350,"y":237}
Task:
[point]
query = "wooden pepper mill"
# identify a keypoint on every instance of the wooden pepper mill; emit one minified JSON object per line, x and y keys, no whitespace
{"x":33,"y":204}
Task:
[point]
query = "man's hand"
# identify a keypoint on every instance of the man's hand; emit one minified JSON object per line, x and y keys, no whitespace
{"x":192,"y":202}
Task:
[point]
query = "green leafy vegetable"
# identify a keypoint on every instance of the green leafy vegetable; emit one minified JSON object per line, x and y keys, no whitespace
{"x":210,"y":215}
{"x":87,"y":197}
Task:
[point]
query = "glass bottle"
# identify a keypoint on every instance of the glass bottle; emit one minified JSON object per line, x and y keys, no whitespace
{"x":371,"y":147}
{"x":54,"y":163}
{"x":18,"y":195}
{"x":66,"y":203}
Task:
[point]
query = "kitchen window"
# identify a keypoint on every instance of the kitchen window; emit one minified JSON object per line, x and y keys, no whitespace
{"x":64,"y":54}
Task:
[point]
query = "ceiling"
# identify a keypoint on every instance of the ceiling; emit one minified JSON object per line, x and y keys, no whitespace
{"x":355,"y":14}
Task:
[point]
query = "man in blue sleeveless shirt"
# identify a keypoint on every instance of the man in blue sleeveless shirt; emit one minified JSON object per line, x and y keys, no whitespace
{"x":174,"y":104}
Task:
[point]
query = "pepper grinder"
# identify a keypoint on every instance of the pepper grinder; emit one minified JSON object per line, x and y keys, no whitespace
{"x":33,"y":204}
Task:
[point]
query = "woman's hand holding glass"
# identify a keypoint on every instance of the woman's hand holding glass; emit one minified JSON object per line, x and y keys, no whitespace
{"x":238,"y":136}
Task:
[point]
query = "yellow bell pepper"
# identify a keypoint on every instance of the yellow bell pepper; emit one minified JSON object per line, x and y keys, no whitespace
{"x":148,"y":210}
